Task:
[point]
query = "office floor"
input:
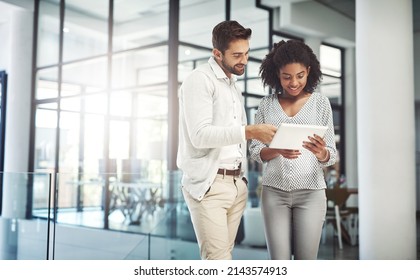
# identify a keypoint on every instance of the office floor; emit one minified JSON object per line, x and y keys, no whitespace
{"x":329,"y":249}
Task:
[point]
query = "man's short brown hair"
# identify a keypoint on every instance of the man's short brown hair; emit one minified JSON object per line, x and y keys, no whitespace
{"x":228,"y":31}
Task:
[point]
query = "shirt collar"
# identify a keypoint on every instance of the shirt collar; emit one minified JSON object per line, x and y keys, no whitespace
{"x":218,"y":71}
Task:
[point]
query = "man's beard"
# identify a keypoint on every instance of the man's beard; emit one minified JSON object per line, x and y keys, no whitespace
{"x":232,"y":70}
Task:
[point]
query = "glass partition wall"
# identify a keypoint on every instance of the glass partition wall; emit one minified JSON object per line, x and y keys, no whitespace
{"x":101,"y":99}
{"x":101,"y":109}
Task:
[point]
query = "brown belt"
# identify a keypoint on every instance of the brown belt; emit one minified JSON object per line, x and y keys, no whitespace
{"x":234,"y":172}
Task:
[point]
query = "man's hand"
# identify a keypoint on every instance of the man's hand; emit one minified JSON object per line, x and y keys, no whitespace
{"x":261,"y":132}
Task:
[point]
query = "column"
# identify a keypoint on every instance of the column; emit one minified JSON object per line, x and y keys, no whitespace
{"x":18,"y":114}
{"x":351,"y":118}
{"x":385,"y":129}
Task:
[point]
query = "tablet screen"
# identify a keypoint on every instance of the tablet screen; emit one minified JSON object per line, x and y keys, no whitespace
{"x":291,"y":136}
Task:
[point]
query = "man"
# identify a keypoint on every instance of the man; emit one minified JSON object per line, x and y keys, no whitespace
{"x":213,"y":131}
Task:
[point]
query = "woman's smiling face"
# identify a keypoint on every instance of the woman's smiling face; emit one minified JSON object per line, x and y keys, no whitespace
{"x":293,"y":78}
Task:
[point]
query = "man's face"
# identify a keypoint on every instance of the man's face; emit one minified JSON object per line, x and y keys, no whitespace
{"x":235,"y":58}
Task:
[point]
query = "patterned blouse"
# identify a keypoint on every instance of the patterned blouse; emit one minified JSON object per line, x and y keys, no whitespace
{"x":305,"y":172}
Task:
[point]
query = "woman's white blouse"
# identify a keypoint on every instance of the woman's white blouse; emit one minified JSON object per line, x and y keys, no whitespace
{"x":305,"y":172}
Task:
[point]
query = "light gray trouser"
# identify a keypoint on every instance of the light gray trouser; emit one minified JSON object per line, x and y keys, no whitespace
{"x":293,"y":222}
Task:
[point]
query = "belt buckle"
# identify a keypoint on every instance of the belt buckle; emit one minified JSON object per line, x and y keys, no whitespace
{"x":225,"y":171}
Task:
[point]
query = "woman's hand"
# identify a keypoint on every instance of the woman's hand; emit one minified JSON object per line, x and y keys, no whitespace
{"x":316,"y":145}
{"x":289,"y":154}
{"x":269,"y":153}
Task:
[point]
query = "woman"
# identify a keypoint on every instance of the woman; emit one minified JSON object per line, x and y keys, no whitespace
{"x":293,"y":198}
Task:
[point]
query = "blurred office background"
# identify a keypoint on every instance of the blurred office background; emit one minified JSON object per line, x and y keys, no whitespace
{"x":89,"y":123}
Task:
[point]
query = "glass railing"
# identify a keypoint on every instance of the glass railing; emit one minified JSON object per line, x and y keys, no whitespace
{"x":171,"y":240}
{"x":48,"y":216}
{"x":86,"y":216}
{"x":24,"y":236}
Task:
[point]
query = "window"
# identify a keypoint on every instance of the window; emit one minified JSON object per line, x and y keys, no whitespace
{"x":332,"y":86}
{"x":102,"y":85}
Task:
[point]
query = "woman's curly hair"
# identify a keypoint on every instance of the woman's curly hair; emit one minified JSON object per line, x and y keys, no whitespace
{"x":286,"y":52}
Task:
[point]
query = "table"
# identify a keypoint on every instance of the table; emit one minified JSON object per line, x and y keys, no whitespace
{"x":135,"y":199}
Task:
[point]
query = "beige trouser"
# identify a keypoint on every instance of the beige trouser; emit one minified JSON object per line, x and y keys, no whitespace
{"x":217,"y":216}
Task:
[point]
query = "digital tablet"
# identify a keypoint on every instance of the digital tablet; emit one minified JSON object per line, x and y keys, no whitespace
{"x":291,"y":136}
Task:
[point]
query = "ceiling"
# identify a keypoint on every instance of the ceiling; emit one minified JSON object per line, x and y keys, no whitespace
{"x":348,"y":9}
{"x":345,"y":7}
